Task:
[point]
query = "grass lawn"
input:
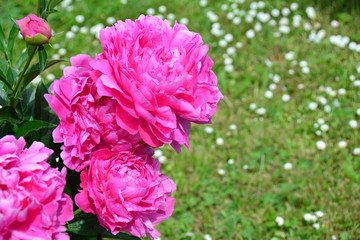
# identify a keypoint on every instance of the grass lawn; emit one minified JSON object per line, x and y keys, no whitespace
{"x":284,"y":141}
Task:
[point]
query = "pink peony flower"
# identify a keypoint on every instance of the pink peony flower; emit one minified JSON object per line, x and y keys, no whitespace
{"x":32,"y":202}
{"x":126,"y":191}
{"x":160,"y":77}
{"x":87,"y":121}
{"x":34,"y":30}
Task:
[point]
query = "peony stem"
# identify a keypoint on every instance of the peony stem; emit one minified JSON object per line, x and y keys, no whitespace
{"x":19,"y":81}
{"x":77,"y":211}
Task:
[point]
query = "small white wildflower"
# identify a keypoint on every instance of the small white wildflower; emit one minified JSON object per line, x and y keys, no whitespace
{"x":333,"y":237}
{"x":356,"y":151}
{"x":189,"y":234}
{"x":327,"y":108}
{"x":275,"y":12}
{"x":321,"y":145}
{"x":285,"y":98}
{"x":289,"y":56}
{"x":250,"y":34}
{"x":279,"y":220}
{"x":221,"y":172}
{"x":285,"y":12}
{"x":219,"y":141}
{"x":334,"y":23}
{"x":358,"y":111}
{"x":246,"y":167}
{"x":300,"y":86}
{"x":232,"y":127}
{"x":316,"y":125}
{"x":203,"y":3}
{"x":341,"y":91}
{"x":319,"y":214}
{"x":231,"y":161}
{"x":276,"y":78}
{"x":56,"y":56}
{"x":80,"y":18}
{"x":162,"y":9}
{"x":207,"y":237}
{"x":352,"y":77}
{"x":50,"y":76}
{"x":74,"y":28}
{"x":150,"y":11}
{"x":228,"y":37}
{"x":69,"y":35}
{"x":313,"y":106}
{"x":110,"y":20}
{"x":324,"y":127}
{"x":268,"y":94}
{"x":353,"y":123}
{"x":288,"y":166}
{"x":342,"y":144}
{"x":307,"y":217}
{"x":84,"y":30}
{"x":294,"y":6}
{"x":305,"y":70}
{"x":239,"y":45}
{"x":231,"y":51}
{"x":321,"y":121}
{"x":162,"y":159}
{"x":158,"y":153}
{"x":252,"y":106}
{"x":261,"y":111}
{"x":316,"y":226}
{"x":223,"y":43}
{"x":208,"y":129}
{"x":272,"y":86}
{"x":318,"y":133}
{"x":184,"y":21}
{"x":229,"y":68}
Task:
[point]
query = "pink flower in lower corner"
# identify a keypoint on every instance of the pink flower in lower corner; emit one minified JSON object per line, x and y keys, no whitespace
{"x":32,"y":202}
{"x":160,"y":77}
{"x":126,"y":191}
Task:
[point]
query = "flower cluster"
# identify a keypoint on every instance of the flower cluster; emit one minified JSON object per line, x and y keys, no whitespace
{"x":33,"y":205}
{"x":146,"y":87}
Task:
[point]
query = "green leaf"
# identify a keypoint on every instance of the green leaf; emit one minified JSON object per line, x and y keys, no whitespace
{"x":9,"y":114}
{"x":34,"y":71}
{"x":31,"y":126}
{"x":42,"y":7}
{"x":3,"y":97}
{"x":11,"y":40}
{"x":26,"y":104}
{"x":23,"y":57}
{"x":2,"y":40}
{"x":350,"y":172}
{"x":3,"y":79}
{"x":40,"y":111}
{"x":86,"y":224}
{"x":42,"y":57}
{"x":52,"y":4}
{"x":11,"y":76}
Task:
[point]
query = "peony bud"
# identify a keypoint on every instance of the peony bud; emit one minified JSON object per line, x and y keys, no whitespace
{"x":34,"y":30}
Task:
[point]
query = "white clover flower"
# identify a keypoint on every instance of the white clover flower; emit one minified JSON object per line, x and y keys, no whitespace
{"x":284,"y":29}
{"x":352,"y":77}
{"x":150,"y":11}
{"x":324,"y":127}
{"x":223,"y":43}
{"x":275,"y":12}
{"x":62,"y":51}
{"x":257,"y":27}
{"x":69,"y":35}
{"x":231,"y":161}
{"x":158,"y":153}
{"x":307,"y":217}
{"x":246,"y":167}
{"x":342,"y":144}
{"x":289,"y":56}
{"x":252,"y":106}
{"x":232,"y":127}
{"x":319,"y":214}
{"x":56,"y":56}
{"x":313,"y":106}
{"x":356,"y":151}
{"x":189,"y":234}
{"x":74,"y":28}
{"x":263,"y":17}
{"x":357,"y":83}
{"x":335,"y":23}
{"x":207,"y":237}
{"x":268,"y":63}
{"x":79,"y":18}
{"x":341,"y":91}
{"x":230,"y":15}
{"x":110,"y":20}
{"x":333,"y":237}
{"x":228,"y":37}
{"x":162,"y":9}
{"x":162,"y":159}
{"x":285,"y":12}
{"x":250,"y":34}
{"x":219,"y":141}
{"x":322,"y":100}
{"x":318,"y":133}
{"x":203,"y":3}
{"x":320,"y":121}
{"x":228,"y":61}
{"x":208,"y":129}
{"x":50,"y":77}
{"x":358,"y":111}
{"x":288,"y":166}
{"x":305,"y":70}
{"x":300,"y":86}
{"x":316,"y":125}
{"x":353,"y":123}
{"x":276,"y":78}
{"x":294,"y":6}
{"x":229,"y":68}
{"x":321,"y":145}
{"x":124,"y":2}
{"x":236,"y":20}
{"x":239,"y":45}
{"x":184,"y":21}
{"x":310,"y":11}
{"x":224,"y":7}
{"x":261,"y":111}
{"x":285,"y":98}
{"x":268,"y":94}
{"x":284,"y":21}
{"x":231,"y":50}
{"x":307,"y":26}
{"x":272,"y":23}
{"x":279,"y":220}
{"x":84,"y":30}
{"x":272,"y":86}
{"x":316,"y":226}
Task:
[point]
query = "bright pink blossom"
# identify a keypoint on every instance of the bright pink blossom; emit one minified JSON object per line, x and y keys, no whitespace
{"x":34,"y":30}
{"x":160,"y":77}
{"x":32,"y":202}
{"x":87,"y":121}
{"x":126,"y":191}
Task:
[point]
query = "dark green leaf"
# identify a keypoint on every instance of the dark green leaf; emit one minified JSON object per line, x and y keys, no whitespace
{"x":53,"y":3}
{"x":3,"y":79}
{"x":11,"y":76}
{"x":23,"y":57}
{"x":3,"y":97}
{"x":34,"y":71}
{"x":40,"y":111}
{"x":42,"y":7}
{"x":26,"y":103}
{"x":9,"y":114}
{"x":31,"y":126}
{"x":86,"y":224}
{"x":42,"y":58}
{"x":11,"y":40}
{"x":2,"y":40}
